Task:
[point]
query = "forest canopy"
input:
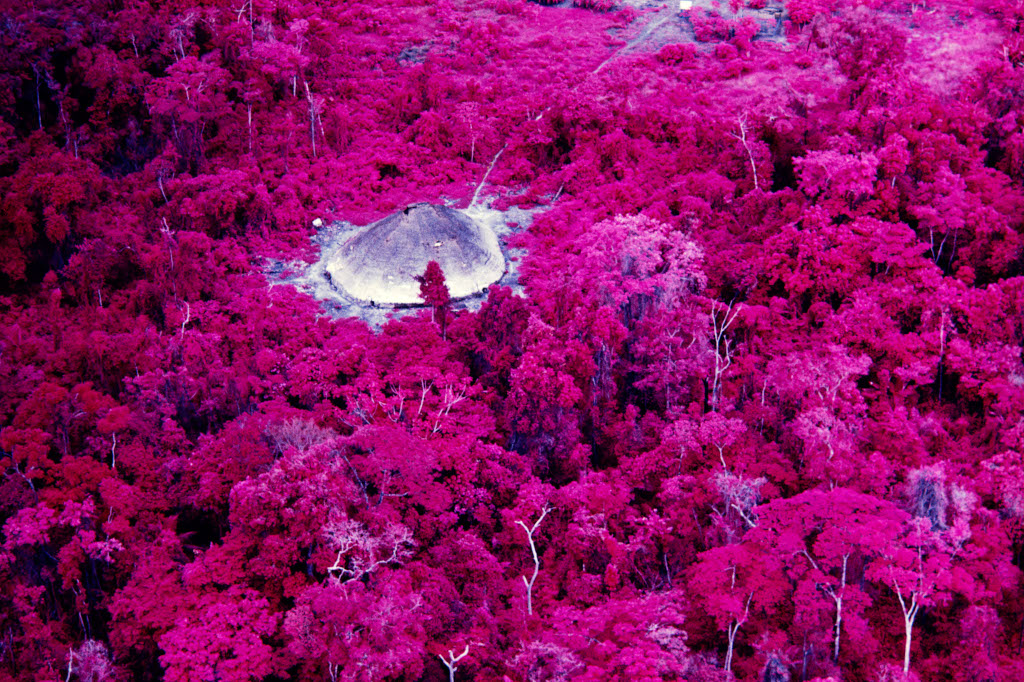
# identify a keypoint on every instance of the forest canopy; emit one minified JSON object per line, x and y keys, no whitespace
{"x":752,"y":410}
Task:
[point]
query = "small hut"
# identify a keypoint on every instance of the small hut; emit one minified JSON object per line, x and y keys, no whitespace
{"x":381,"y":263}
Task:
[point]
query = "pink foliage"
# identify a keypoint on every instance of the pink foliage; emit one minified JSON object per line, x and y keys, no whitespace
{"x":747,"y":405}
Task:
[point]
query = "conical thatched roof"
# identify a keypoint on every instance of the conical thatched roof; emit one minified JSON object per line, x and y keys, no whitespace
{"x":381,"y":263}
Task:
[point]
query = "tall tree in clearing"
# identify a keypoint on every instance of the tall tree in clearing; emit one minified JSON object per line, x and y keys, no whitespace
{"x":434,"y":293}
{"x":746,"y":404}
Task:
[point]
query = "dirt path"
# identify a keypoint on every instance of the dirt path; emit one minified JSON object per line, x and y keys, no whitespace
{"x":663,"y":15}
{"x":657,"y":19}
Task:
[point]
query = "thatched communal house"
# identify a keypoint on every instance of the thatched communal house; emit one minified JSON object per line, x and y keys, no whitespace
{"x":381,"y":263}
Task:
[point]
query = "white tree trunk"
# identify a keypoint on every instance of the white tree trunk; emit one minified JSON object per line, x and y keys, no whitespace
{"x":909,"y":616}
{"x":733,"y":629}
{"x":536,"y":560}
{"x":839,"y":609}
{"x":839,"y":625}
{"x":909,"y":624}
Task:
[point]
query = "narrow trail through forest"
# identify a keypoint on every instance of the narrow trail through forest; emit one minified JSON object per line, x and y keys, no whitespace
{"x":474,"y":202}
{"x":661,"y":16}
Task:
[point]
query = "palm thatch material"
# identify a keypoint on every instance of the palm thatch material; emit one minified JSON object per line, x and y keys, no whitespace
{"x":381,"y":263}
